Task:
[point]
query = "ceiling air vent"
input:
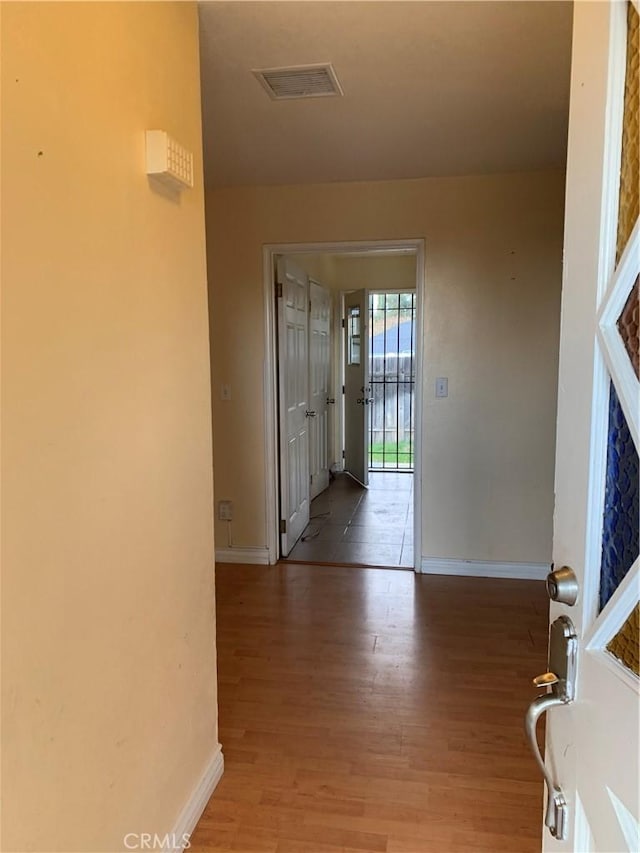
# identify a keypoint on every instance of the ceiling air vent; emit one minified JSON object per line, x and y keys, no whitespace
{"x":299,"y":81}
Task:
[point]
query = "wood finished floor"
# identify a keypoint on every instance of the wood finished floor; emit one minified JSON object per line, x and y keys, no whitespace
{"x":353,"y":525}
{"x":374,"y":710}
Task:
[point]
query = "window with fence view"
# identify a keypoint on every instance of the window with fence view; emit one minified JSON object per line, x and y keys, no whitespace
{"x":392,"y":377}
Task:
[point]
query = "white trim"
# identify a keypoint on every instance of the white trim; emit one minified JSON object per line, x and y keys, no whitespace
{"x":621,"y":281}
{"x":616,"y":610}
{"x":615,"y":354}
{"x":421,"y":292}
{"x":416,"y":246}
{"x":339,"y":373}
{"x":270,"y":409}
{"x":608,"y":661}
{"x":595,"y":494}
{"x":253,"y":556}
{"x":345,"y":247}
{"x":480,"y":569}
{"x":197,"y":802}
{"x":625,"y":380}
{"x":391,"y":289}
{"x":613,"y":124}
{"x":609,"y":622}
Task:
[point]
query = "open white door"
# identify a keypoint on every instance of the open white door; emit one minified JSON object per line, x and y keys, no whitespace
{"x":356,"y":385}
{"x":294,"y":412}
{"x":319,"y":375}
{"x":592,"y":756}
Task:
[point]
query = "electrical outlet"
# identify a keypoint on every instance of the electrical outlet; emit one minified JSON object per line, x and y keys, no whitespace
{"x":225,"y":510}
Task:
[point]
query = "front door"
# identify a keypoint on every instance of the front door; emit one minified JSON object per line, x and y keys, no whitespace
{"x":292,"y":293}
{"x":592,"y":756}
{"x":357,"y":392}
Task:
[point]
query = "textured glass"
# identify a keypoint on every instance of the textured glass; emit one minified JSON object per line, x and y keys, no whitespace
{"x":620,"y":518}
{"x":629,"y":175}
{"x":626,"y":644}
{"x":628,"y":328}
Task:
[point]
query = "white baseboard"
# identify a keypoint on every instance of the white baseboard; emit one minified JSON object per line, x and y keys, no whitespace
{"x":479,"y":569}
{"x":196,"y":804}
{"x":254,"y":556}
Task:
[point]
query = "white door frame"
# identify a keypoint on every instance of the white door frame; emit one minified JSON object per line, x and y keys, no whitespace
{"x":355,"y":382}
{"x":269,"y":252}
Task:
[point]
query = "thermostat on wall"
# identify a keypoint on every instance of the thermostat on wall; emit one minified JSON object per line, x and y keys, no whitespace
{"x":167,"y":161}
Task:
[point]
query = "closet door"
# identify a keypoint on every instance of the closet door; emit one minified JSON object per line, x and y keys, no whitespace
{"x":319,"y":378}
{"x":292,"y":293}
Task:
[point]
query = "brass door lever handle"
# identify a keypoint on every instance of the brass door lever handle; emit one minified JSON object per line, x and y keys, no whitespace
{"x":560,"y":682}
{"x":555,"y":814}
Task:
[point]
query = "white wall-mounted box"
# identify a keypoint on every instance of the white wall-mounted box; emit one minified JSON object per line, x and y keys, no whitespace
{"x":168,"y":161}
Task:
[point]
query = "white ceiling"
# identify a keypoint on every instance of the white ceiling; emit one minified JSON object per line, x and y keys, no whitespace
{"x":430,"y":88}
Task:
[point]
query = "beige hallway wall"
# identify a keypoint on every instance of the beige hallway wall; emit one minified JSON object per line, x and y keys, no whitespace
{"x":491,"y":320}
{"x":108,"y":667}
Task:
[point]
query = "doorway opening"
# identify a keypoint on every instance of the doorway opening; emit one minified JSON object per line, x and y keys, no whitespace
{"x":392,"y":379}
{"x":317,"y":511}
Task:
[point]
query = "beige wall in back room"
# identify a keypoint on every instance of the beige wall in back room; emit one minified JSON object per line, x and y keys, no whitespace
{"x":320,"y":267}
{"x":108,"y":666}
{"x":491,"y":321}
{"x":380,"y":272}
{"x":351,"y":272}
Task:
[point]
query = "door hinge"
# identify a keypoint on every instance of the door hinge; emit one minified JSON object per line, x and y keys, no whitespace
{"x":283,"y":525}
{"x":278,"y":290}
{"x":311,"y":479}
{"x":309,"y":306}
{"x":343,"y":389}
{"x":343,"y":323}
{"x":343,"y":454}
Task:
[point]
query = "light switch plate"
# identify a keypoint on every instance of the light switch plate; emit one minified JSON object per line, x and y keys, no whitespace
{"x":225,"y":510}
{"x":442,"y":386}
